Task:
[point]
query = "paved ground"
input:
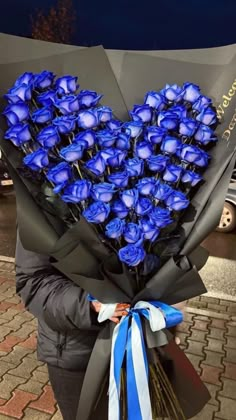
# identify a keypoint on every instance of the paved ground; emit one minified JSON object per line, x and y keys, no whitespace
{"x":208,"y":336}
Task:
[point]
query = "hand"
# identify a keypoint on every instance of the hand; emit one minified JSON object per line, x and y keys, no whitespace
{"x":121,"y":310}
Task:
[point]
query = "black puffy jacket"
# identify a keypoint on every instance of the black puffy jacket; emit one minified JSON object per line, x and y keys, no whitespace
{"x":67,"y":327}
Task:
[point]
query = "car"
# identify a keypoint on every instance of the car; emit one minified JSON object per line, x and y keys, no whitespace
{"x":228,"y":217}
{"x":6,"y":183}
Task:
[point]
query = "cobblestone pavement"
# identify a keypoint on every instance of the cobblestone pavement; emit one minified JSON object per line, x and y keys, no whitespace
{"x":208,"y":336}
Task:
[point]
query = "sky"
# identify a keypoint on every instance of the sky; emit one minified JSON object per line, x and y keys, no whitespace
{"x":129,"y":24}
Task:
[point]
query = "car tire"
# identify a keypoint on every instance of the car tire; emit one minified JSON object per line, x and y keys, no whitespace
{"x":228,"y":219}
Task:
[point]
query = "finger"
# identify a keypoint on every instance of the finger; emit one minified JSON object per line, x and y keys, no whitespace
{"x":116,"y":320}
{"x":122,"y":306}
{"x":177,"y":341}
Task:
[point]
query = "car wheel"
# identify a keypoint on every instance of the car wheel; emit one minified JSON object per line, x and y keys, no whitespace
{"x":228,"y":219}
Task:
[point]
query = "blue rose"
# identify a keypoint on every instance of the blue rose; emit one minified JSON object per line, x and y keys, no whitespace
{"x":157,"y":163}
{"x":143,"y":206}
{"x":129,"y":197}
{"x":88,"y":136}
{"x":106,"y":138}
{"x":177,"y":201}
{"x":73,"y":152}
{"x":108,"y":153}
{"x":66,"y":84}
{"x":19,"y":93}
{"x":191,"y":178}
{"x":78,"y":191}
{"x":168,"y":120}
{"x":26,"y":78}
{"x":16,"y":113}
{"x":180,"y":110}
{"x":162,"y":191}
{"x":207,"y":116}
{"x":88,"y":98}
{"x":67,"y":104}
{"x":104,"y":114}
{"x":103,"y":191}
{"x":132,"y":255}
{"x":18,"y":134}
{"x":120,"y":179}
{"x":65,"y":124}
{"x":205,"y":134}
{"x":134,"y":166}
{"x":144,"y":149}
{"x":188,"y":127}
{"x":142,"y":112}
{"x":97,"y":212}
{"x":170,"y":144}
{"x":172,"y":173}
{"x":42,"y":115}
{"x":114,"y":126}
{"x":155,"y":100}
{"x":191,"y":92}
{"x":123,"y":141}
{"x":88,"y":119}
{"x":119,"y":208}
{"x":149,"y":229}
{"x":47,"y":98}
{"x":202,"y":102}
{"x":161,"y":217}
{"x":134,"y":128}
{"x":115,"y":228}
{"x":155,"y":134}
{"x":146,"y":186}
{"x":203,"y":160}
{"x":96,"y":165}
{"x":37,"y":160}
{"x":44,"y":79}
{"x":190,"y":154}
{"x":173,"y":92}
{"x":132,"y":233}
{"x":59,"y":174}
{"x":116,"y":158}
{"x":48,"y":137}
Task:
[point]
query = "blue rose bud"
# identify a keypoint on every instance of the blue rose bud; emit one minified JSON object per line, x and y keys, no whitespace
{"x":88,"y":119}
{"x":88,"y":98}
{"x":108,"y":153}
{"x":66,"y":84}
{"x":205,"y":135}
{"x":16,"y":113}
{"x":168,"y":120}
{"x":120,"y":179}
{"x":59,"y":174}
{"x":47,"y":98}
{"x":191,"y":92}
{"x":44,"y":79}
{"x":96,"y":165}
{"x":202,"y":102}
{"x":132,"y":233}
{"x":37,"y":160}
{"x":207,"y":116}
{"x":170,"y":144}
{"x":48,"y":137}
{"x":157,"y":163}
{"x":144,"y":149}
{"x":97,"y":212}
{"x":87,"y":136}
{"x":161,"y":217}
{"x":180,"y":110}
{"x":203,"y":160}
{"x":154,"y":134}
{"x":104,"y":114}
{"x":143,"y":206}
{"x":172,"y":173}
{"x":18,"y":134}
{"x":191,"y":178}
{"x":155,"y":100}
{"x":117,"y":158}
{"x":177,"y":201}
{"x":19,"y":93}
{"x":77,"y":192}
{"x":115,"y":228}
{"x":105,"y":138}
{"x":73,"y":152}
{"x":132,"y":255}
{"x":25,"y":78}
{"x":68,"y":104}
{"x":162,"y":191}
{"x":146,"y":186}
{"x":65,"y":124}
{"x":103,"y":191}
{"x":134,"y":128}
{"x":119,"y":208}
{"x":142,"y":112}
{"x":42,"y":115}
{"x":114,"y":126}
{"x":123,"y":141}
{"x":188,"y":127}
{"x":173,"y":92}
{"x":134,"y":166}
{"x":129,"y":197}
{"x":149,"y":229}
{"x":190,"y":154}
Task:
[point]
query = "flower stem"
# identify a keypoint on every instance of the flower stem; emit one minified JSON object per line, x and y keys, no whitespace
{"x":78,"y":169}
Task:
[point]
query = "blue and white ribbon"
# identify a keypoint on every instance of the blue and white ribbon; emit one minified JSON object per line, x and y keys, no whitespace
{"x":128,"y":341}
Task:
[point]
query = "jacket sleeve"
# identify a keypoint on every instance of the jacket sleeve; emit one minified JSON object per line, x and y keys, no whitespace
{"x":48,"y":295}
